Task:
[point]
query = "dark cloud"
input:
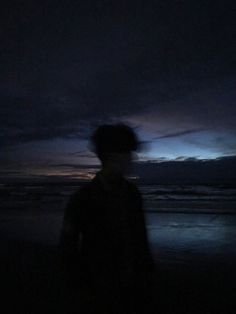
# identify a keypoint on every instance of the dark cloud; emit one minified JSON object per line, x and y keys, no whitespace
{"x":67,"y":69}
{"x":189,"y":171}
{"x":184,"y":158}
{"x":224,"y":143}
{"x":83,"y":155}
{"x":74,"y":166}
{"x":78,"y":153}
{"x":177,"y":134}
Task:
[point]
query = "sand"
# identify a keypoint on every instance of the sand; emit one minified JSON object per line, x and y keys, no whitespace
{"x":195,"y":257}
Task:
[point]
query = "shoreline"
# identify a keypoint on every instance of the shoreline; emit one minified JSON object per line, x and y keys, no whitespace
{"x":195,"y":256}
{"x":32,"y":283}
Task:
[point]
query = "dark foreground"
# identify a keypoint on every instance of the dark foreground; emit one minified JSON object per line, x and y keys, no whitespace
{"x":196,"y":270}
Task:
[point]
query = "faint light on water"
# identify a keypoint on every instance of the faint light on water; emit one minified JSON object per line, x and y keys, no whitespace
{"x":192,"y":233}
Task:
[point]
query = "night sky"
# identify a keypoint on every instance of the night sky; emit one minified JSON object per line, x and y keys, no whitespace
{"x":167,"y":68}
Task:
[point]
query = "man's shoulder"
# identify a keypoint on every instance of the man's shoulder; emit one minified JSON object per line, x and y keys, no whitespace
{"x":94,"y":186}
{"x":81,"y":192}
{"x":132,"y":187}
{"x":130,"y":184}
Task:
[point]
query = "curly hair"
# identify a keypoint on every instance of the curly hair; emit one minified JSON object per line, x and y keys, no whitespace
{"x":112,"y":138}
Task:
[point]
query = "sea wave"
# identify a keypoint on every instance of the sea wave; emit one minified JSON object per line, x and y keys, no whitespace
{"x":191,"y":198}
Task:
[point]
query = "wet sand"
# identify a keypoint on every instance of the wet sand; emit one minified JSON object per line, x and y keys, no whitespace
{"x":195,"y":257}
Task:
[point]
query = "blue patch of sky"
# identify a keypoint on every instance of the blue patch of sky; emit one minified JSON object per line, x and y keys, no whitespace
{"x":201,"y":145}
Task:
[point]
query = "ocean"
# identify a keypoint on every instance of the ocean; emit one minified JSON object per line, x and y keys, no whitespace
{"x":180,"y":218}
{"x":50,"y":196}
{"x":191,"y":231}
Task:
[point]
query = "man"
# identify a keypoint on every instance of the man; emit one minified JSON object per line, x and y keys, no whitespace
{"x":103,"y":239}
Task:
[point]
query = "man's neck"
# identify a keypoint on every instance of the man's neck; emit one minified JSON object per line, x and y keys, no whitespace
{"x":111,"y":178}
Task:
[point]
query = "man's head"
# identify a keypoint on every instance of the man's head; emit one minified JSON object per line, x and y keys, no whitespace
{"x":114,"y":144}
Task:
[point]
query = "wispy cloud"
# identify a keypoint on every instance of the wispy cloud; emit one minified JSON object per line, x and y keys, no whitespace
{"x":179,"y":133}
{"x":77,"y":153}
{"x":82,"y":153}
{"x":74,"y":166}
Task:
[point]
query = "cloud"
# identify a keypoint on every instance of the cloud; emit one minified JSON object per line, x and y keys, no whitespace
{"x":178,"y":134}
{"x":80,"y":66}
{"x":82,"y":153}
{"x":24,"y":118}
{"x":189,"y":171}
{"x":78,"y":153}
{"x":73,"y":166}
{"x":184,"y":158}
{"x":221,"y":142}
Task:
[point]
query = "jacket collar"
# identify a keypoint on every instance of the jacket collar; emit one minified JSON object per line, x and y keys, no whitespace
{"x":102,"y":182}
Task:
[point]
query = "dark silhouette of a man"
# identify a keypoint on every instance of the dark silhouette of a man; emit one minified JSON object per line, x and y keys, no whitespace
{"x":103,"y":239}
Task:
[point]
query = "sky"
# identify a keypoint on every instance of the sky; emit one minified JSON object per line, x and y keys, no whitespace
{"x":166,"y":68}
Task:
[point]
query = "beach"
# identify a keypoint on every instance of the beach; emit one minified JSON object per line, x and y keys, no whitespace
{"x":195,"y":268}
{"x":194,"y":253}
